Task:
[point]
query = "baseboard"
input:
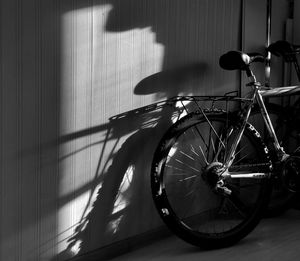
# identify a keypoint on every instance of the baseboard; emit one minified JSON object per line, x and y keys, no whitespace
{"x":124,"y":246}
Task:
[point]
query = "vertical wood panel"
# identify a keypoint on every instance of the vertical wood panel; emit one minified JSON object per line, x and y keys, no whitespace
{"x":254,"y":33}
{"x":296,"y":22}
{"x":28,"y":122}
{"x":11,"y":130}
{"x":296,"y":35}
{"x":280,"y":14}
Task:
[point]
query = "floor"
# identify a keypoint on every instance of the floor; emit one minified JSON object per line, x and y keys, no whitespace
{"x":273,"y":239}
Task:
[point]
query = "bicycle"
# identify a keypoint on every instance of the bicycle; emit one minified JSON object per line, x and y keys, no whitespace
{"x":212,"y":174}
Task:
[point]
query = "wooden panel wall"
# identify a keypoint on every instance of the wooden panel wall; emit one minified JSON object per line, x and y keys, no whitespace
{"x":30,"y":68}
{"x":255,"y":37}
{"x":74,"y":172}
{"x":280,"y":14}
{"x":296,"y":35}
{"x":296,"y":22}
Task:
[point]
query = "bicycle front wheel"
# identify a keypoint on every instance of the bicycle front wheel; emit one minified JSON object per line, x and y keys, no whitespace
{"x":183,"y":180}
{"x":283,"y":120}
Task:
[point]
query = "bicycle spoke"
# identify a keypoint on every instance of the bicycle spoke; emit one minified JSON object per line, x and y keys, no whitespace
{"x":213,"y":146}
{"x":184,"y":164}
{"x":176,"y":168}
{"x":201,"y":150}
{"x":188,"y":156}
{"x":209,"y":140}
{"x":213,"y":129}
{"x":182,"y":180}
{"x":239,"y":205}
{"x":188,"y":178}
{"x":187,"y":208}
{"x":179,"y":197}
{"x":194,"y":151}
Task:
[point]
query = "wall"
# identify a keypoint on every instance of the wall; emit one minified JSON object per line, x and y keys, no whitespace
{"x":296,"y":36}
{"x":255,"y":35}
{"x":76,"y":137}
{"x":280,"y":13}
{"x":296,"y":22}
{"x":30,"y":91}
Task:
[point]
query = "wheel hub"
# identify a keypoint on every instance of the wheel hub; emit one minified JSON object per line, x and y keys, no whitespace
{"x":212,"y":172}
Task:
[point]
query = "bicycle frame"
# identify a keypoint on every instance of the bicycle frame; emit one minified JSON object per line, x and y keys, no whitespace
{"x":268,"y":123}
{"x":256,"y":95}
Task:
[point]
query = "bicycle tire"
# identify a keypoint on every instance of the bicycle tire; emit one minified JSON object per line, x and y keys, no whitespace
{"x":287,"y":134}
{"x":241,"y":211}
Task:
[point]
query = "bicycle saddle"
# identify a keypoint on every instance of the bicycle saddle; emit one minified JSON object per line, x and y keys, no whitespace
{"x":284,"y":49}
{"x":237,"y":60}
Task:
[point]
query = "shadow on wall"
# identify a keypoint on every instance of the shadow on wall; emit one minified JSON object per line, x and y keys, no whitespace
{"x":120,"y":198}
{"x":194,"y":34}
{"x":122,"y":206}
{"x":189,"y":35}
{"x":192,"y":42}
{"x":178,"y":25}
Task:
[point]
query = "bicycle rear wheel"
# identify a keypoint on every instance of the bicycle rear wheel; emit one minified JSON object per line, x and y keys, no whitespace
{"x":183,"y":180}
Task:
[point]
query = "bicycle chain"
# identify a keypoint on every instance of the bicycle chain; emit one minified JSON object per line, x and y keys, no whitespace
{"x":250,"y":165}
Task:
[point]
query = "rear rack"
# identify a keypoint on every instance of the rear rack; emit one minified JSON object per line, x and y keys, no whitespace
{"x":229,"y":101}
